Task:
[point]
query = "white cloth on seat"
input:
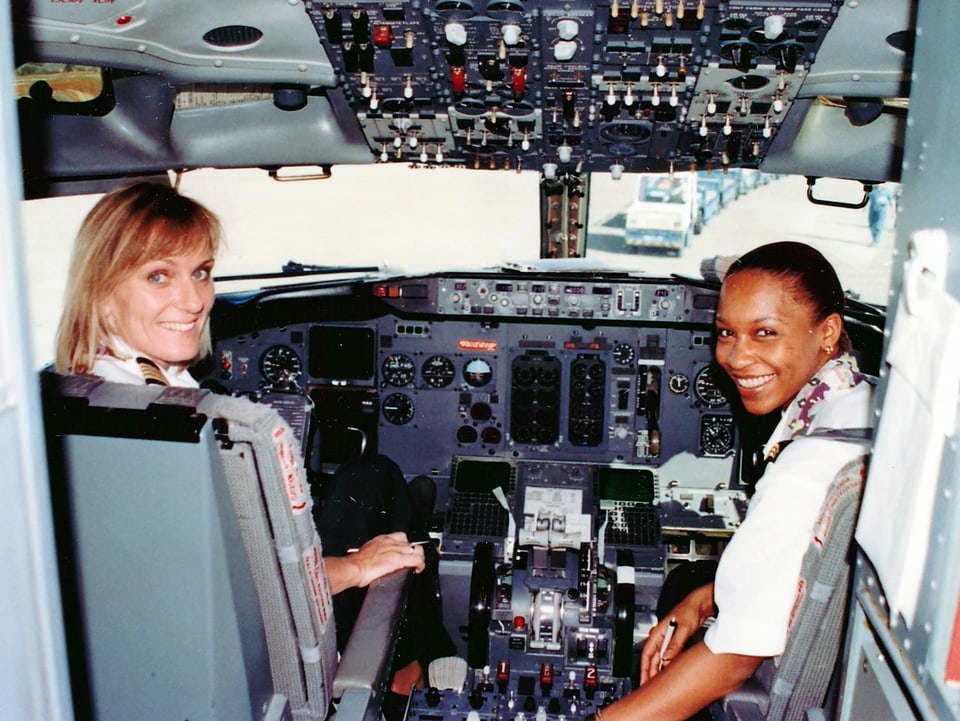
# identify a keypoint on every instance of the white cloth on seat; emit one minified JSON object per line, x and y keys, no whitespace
{"x":921,"y":403}
{"x":787,"y":687}
{"x":271,"y":497}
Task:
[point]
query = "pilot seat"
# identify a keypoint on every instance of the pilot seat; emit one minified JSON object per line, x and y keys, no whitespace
{"x":193,"y":582}
{"x":796,"y":686}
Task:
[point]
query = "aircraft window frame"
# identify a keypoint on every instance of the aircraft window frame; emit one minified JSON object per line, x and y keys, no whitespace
{"x":66,"y":83}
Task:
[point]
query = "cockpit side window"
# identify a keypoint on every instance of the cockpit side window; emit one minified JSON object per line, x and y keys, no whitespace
{"x":57,"y":88}
{"x":60,"y":82}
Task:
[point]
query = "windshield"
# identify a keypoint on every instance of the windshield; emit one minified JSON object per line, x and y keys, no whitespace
{"x":742,"y":209}
{"x":405,"y":220}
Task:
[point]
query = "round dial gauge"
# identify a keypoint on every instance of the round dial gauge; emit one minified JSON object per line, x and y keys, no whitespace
{"x":280,"y":366}
{"x":398,"y":370}
{"x":477,"y":372}
{"x":706,"y":389}
{"x":623,"y":354}
{"x":716,"y":435}
{"x":679,"y":383}
{"x":398,"y":408}
{"x":438,"y":371}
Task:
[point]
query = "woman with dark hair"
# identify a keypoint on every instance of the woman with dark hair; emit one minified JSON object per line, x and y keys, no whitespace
{"x":781,"y":340}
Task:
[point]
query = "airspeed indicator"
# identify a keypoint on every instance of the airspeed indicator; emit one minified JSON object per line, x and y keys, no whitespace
{"x":706,"y":389}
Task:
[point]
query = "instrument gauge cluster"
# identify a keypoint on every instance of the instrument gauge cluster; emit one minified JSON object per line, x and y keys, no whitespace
{"x":477,"y":372}
{"x":678,"y":383}
{"x":398,"y":408}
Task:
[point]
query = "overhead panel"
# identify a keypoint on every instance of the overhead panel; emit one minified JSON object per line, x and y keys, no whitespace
{"x":572,"y":86}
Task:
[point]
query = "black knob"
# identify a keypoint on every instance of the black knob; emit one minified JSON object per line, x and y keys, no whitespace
{"x":476,"y":700}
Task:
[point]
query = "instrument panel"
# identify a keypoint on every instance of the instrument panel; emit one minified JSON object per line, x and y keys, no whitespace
{"x":580,"y":435}
{"x":537,"y":368}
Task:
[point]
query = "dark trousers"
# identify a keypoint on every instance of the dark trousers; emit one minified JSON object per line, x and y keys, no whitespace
{"x":369,"y":497}
{"x":682,"y":580}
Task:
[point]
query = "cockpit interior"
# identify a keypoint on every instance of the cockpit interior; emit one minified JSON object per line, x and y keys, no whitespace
{"x":580,"y":435}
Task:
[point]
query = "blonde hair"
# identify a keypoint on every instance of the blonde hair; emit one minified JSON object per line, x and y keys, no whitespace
{"x":127,"y":227}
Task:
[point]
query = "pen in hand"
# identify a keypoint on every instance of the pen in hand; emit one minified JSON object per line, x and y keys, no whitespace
{"x":667,"y":637}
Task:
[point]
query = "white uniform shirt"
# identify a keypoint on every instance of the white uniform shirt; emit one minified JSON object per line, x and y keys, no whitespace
{"x":127,"y":370}
{"x":758,"y":574}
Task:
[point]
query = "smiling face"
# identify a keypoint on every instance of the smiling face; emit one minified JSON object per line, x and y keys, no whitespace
{"x":769,"y":340}
{"x":160,"y":310}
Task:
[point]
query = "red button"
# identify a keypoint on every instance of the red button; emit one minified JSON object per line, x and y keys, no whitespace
{"x":382,"y":36}
{"x":518,"y":81}
{"x":458,"y":78}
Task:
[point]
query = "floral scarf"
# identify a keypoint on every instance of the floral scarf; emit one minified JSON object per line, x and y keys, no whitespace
{"x":836,"y":374}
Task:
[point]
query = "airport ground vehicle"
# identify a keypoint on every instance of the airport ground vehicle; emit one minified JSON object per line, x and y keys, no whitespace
{"x":748,"y":180}
{"x":239,"y":98}
{"x":726,"y":184}
{"x":665,"y":212}
{"x":709,"y":202}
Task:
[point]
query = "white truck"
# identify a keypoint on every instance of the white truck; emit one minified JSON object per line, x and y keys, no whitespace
{"x":665,"y":212}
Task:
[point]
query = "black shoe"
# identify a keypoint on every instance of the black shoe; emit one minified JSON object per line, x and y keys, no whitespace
{"x":394,"y":706}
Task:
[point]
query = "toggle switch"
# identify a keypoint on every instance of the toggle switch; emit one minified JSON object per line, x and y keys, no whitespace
{"x":382,"y":36}
{"x":458,"y":79}
{"x":518,"y":81}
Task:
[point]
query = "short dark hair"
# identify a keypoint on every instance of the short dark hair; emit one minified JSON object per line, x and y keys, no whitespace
{"x":810,"y":275}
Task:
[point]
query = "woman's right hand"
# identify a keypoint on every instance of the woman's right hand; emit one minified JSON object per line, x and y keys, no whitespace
{"x":385,"y":554}
{"x":689,"y":615}
{"x":376,"y":558}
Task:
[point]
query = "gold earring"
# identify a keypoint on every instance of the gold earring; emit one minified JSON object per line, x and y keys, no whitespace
{"x":828,"y":350}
